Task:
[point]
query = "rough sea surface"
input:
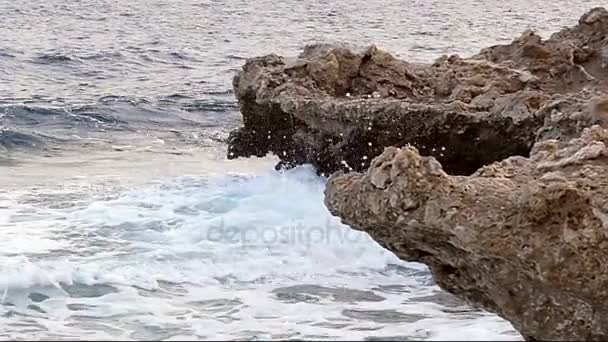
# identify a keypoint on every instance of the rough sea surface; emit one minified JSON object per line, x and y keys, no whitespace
{"x":120,"y":217}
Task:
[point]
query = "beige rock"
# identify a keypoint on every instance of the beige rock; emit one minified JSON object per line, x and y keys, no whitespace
{"x":332,"y":105}
{"x":525,"y":238}
{"x":599,"y":110}
{"x":487,"y":168}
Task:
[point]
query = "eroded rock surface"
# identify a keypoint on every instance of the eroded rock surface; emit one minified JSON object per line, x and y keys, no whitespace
{"x":338,"y":109}
{"x":526,"y":238}
{"x":489,"y":169}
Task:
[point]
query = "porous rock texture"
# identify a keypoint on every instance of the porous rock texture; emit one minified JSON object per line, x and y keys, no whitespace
{"x":526,"y":238}
{"x":489,"y":169}
{"x":338,"y":109}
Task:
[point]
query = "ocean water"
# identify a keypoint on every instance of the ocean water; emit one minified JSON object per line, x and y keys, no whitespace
{"x":120,"y":217}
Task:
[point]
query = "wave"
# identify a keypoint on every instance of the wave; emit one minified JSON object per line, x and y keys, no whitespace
{"x":5,"y":53}
{"x":101,"y":55}
{"x":114,"y":111}
{"x":258,"y":249}
{"x":184,"y":56}
{"x":272,"y":226}
{"x":235,"y":57}
{"x":219,"y":228}
{"x":18,"y":272}
{"x":54,"y":58}
{"x":75,"y":57}
{"x":209,"y":105}
{"x":68,"y":116}
{"x":12,"y":140}
{"x":34,"y":124}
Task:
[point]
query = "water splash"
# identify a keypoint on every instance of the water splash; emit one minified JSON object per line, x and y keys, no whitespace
{"x":215,"y":256}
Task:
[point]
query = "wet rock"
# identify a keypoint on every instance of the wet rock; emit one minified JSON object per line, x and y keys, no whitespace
{"x":489,"y":169}
{"x":338,"y":108}
{"x":525,"y":238}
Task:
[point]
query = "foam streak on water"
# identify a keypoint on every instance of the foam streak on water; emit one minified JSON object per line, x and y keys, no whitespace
{"x":224,"y":256}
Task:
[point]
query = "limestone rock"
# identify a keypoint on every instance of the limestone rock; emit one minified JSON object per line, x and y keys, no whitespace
{"x":526,"y":238}
{"x":338,"y":109}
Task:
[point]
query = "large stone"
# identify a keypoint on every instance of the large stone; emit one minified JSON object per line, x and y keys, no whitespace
{"x":526,"y":238}
{"x":338,"y":109}
{"x":489,"y":169}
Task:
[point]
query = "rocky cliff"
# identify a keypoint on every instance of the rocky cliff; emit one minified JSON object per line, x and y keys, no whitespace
{"x":338,"y":109}
{"x":489,"y":169}
{"x":526,"y":238}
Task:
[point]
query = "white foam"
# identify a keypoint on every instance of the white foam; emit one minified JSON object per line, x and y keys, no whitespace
{"x":227,"y":237}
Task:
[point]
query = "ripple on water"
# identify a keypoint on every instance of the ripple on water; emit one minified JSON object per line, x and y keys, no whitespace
{"x":314,"y":293}
{"x":53,"y":58}
{"x":383,"y":316}
{"x":38,"y":297}
{"x":79,"y":290}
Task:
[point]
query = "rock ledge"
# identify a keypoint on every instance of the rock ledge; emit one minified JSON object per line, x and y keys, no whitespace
{"x":338,"y":109}
{"x":526,"y":238}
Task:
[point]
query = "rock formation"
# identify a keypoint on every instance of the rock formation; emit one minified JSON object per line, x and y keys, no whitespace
{"x":489,"y":169}
{"x":338,"y":109}
{"x":526,"y":238}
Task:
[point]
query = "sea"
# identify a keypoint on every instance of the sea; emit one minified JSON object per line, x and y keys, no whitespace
{"x":122,"y":219}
